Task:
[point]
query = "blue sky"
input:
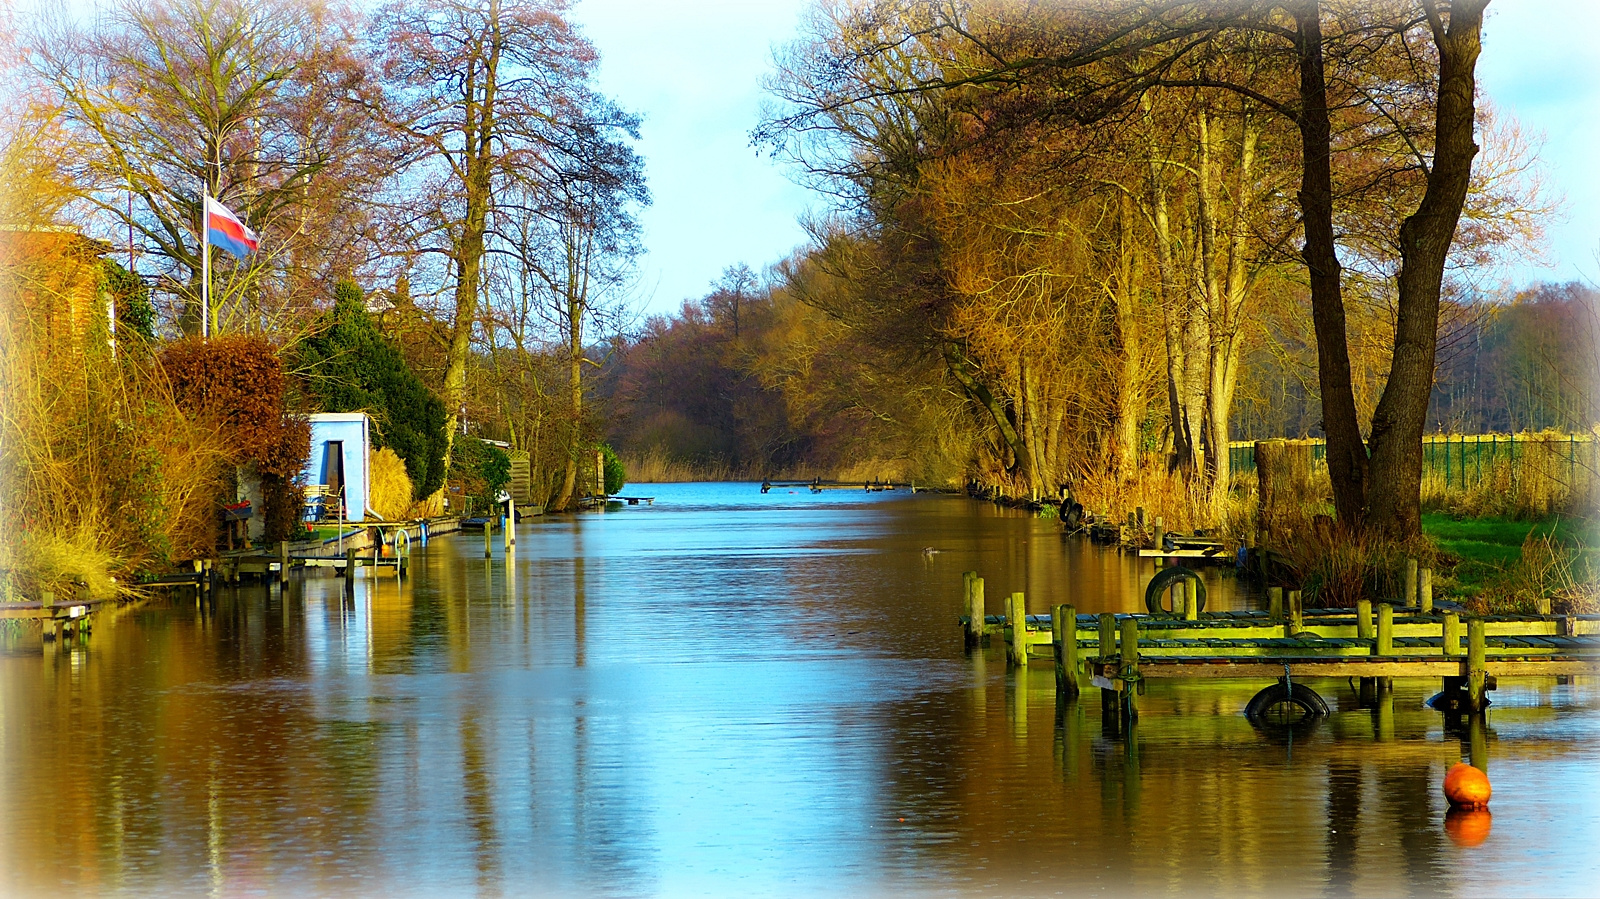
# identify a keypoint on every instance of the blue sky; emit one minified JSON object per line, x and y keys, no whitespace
{"x":694,"y":69}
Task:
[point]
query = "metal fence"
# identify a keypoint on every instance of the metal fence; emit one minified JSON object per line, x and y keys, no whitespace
{"x":1466,"y":460}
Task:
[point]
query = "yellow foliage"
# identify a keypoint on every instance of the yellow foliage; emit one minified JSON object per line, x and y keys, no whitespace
{"x":390,"y":488}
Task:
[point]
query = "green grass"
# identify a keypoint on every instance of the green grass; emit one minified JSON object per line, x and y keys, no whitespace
{"x":1487,"y":546}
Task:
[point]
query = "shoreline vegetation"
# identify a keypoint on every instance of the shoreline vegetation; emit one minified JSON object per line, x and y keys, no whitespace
{"x":1004,"y":300}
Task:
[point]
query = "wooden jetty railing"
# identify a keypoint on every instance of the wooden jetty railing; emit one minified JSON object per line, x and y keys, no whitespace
{"x":1119,"y":652}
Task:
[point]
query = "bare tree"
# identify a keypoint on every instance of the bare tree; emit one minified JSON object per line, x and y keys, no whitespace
{"x":485,"y":98}
{"x":260,"y":104}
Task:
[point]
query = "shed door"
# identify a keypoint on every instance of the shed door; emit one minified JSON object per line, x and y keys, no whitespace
{"x":333,"y":469}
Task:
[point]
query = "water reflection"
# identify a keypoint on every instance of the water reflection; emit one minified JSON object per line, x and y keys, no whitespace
{"x":728,"y":693}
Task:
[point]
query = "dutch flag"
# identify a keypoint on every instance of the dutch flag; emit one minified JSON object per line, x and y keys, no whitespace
{"x":223,"y":229}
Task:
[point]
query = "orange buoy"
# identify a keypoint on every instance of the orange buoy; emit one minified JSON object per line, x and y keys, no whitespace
{"x":1466,"y":787}
{"x":1468,"y":827}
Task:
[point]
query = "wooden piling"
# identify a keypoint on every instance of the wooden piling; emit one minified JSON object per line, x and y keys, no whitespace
{"x":1017,"y":617}
{"x":1364,"y":619}
{"x":283,"y":561}
{"x":511,"y":522}
{"x":1108,"y":648}
{"x":1064,"y":638}
{"x":1410,"y":595}
{"x":1385,"y":645}
{"x":1425,"y":591}
{"x":1476,"y":679}
{"x":1128,"y":664}
{"x":1275,"y":604}
{"x":1543,"y":601}
{"x":1158,"y":532}
{"x":1452,"y":634}
{"x":1383,"y":713}
{"x":349,"y":571}
{"x":488,"y":538}
{"x":1478,"y":743}
{"x":1296,"y":622}
{"x":975,"y":612}
{"x":1191,"y":603}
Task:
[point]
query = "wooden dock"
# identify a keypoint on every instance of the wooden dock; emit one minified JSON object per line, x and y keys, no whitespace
{"x":817,"y":485}
{"x":1119,"y":652}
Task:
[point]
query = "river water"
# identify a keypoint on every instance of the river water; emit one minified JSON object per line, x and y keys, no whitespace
{"x":730,"y":693}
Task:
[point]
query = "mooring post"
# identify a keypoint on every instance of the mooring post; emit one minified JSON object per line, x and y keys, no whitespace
{"x":1058,"y":652}
{"x":1275,"y":604}
{"x":1410,"y":583}
{"x":1364,"y":619}
{"x":1385,"y":645}
{"x":1108,"y":635}
{"x":283,"y":561}
{"x":488,"y":537}
{"x":511,"y":522}
{"x":1452,"y":633}
{"x":1425,"y":591}
{"x":1064,"y":635}
{"x":1158,"y":532}
{"x":1191,"y":603}
{"x":1296,"y":622}
{"x":1128,"y":664}
{"x":975,"y":610}
{"x":349,"y":571}
{"x":1017,"y":617}
{"x":1475,"y":666}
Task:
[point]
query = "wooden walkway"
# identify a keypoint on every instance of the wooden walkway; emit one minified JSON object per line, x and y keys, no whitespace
{"x":818,"y":485}
{"x":1120,"y":651}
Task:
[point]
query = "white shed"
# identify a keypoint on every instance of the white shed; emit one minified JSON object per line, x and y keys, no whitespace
{"x":340,"y":447}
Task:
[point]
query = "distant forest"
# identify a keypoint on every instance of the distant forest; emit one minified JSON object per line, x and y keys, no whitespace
{"x":750,"y":379}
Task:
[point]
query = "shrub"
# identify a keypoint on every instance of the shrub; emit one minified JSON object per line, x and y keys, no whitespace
{"x":136,"y":316}
{"x":236,"y":384}
{"x":482,"y":468}
{"x":616,"y":474}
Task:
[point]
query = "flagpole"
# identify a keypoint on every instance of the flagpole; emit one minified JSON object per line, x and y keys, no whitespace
{"x":205,"y":261}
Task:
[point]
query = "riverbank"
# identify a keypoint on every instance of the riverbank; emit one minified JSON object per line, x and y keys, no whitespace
{"x":1503,"y":564}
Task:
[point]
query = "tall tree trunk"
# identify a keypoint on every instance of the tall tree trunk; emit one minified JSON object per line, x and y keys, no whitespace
{"x":1027,"y":424}
{"x":1394,"y":501}
{"x":1130,"y":401}
{"x":1171,"y":316}
{"x":1209,"y":285}
{"x":1347,"y":454}
{"x":1225,"y":314}
{"x":577,"y":298}
{"x":477,"y":156}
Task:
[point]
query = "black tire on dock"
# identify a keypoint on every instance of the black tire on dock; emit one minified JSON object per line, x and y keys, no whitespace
{"x":1072,"y":513}
{"x":1164,"y":579}
{"x":1266,"y":707}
